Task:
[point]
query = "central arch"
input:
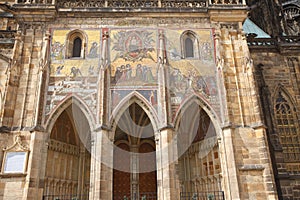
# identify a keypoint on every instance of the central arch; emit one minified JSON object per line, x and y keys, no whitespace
{"x":134,"y":171}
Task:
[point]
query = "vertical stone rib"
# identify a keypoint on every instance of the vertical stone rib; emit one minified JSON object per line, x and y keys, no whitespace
{"x":164,"y":110}
{"x":236,"y":71}
{"x":26,"y":72}
{"x":102,"y":90}
{"x":43,"y":64}
{"x":220,"y":79}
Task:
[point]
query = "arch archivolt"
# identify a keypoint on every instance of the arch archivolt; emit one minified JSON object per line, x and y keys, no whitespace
{"x":69,"y":101}
{"x":137,"y":98}
{"x":199,"y":101}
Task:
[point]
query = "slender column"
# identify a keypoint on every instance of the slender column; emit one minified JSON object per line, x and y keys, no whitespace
{"x":134,"y":159}
{"x":101,"y":163}
{"x":80,"y":187}
{"x":103,"y":81}
{"x":163,"y":95}
{"x":43,"y":71}
{"x":232,"y":190}
{"x":167,"y":181}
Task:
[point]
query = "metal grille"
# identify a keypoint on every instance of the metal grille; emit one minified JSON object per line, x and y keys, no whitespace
{"x":211,"y":195}
{"x":66,"y":197}
{"x":148,"y":196}
{"x":141,"y":196}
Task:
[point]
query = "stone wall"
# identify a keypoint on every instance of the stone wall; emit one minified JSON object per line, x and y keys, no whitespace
{"x":279,"y":73}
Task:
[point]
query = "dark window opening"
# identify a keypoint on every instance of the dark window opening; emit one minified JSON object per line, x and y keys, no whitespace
{"x":189,"y":48}
{"x":77,"y":47}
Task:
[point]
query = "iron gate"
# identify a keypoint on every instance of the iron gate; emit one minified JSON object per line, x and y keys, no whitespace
{"x":66,"y":197}
{"x":210,"y":195}
{"x":141,"y":196}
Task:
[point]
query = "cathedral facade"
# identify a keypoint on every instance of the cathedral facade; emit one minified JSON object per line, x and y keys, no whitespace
{"x":151,"y":99}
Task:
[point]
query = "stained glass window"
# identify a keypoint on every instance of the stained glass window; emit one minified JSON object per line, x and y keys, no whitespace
{"x":287,"y":127}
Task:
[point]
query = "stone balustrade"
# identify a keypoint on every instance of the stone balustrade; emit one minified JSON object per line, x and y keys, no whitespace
{"x":227,"y":2}
{"x":35,"y":1}
{"x":135,"y":3}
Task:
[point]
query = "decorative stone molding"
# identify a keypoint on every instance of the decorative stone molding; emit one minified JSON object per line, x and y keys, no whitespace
{"x":63,"y":147}
{"x":15,"y":158}
{"x":32,"y":25}
{"x":17,"y":145}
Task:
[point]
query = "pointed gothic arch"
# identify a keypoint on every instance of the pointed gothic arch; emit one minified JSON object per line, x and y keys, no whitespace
{"x":204,"y":105}
{"x":281,"y":89}
{"x":287,"y":125}
{"x":71,"y":100}
{"x":68,"y":160}
{"x":134,"y":155}
{"x":198,"y":150}
{"x":134,"y":97}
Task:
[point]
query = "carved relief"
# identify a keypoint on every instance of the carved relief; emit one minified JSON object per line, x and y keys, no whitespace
{"x":17,"y":145}
{"x":291,"y":19}
{"x":15,"y":157}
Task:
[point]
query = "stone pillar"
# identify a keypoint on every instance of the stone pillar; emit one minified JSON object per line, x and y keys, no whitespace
{"x":13,"y":81}
{"x":27,"y":98}
{"x":244,"y":165}
{"x":102,"y":147}
{"x":166,"y":152}
{"x":268,"y":174}
{"x":34,"y":182}
{"x":230,"y":174}
{"x":101,"y":166}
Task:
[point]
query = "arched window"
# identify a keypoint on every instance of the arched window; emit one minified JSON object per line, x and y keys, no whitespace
{"x":75,"y":44}
{"x":189,"y":45}
{"x":189,"y":48}
{"x":287,"y":127}
{"x":77,"y":47}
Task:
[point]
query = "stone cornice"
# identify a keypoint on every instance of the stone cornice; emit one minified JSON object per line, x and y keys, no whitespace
{"x":284,"y":44}
{"x":31,"y":12}
{"x":216,"y":10}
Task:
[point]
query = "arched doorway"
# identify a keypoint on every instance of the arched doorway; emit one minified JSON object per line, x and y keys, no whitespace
{"x":134,"y":173}
{"x":199,"y":159}
{"x":67,"y":173}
